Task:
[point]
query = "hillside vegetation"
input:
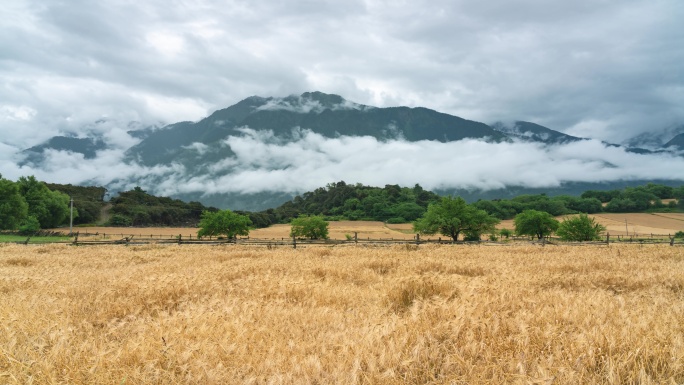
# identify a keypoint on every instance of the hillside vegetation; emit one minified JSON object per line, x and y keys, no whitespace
{"x":336,"y":201}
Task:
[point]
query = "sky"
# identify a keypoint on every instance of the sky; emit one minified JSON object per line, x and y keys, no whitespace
{"x":602,"y":69}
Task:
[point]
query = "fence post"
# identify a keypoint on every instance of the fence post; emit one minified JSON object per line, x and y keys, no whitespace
{"x":76,"y":239}
{"x":294,"y":242}
{"x":608,"y":239}
{"x":356,"y":237}
{"x":417,"y":239}
{"x":671,"y":240}
{"x":180,"y":237}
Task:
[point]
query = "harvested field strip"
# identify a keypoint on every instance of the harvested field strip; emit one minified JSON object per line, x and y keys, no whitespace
{"x":349,"y":315}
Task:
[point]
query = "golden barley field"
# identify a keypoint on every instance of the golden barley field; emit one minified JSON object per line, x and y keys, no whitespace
{"x":638,"y":224}
{"x":520,"y":314}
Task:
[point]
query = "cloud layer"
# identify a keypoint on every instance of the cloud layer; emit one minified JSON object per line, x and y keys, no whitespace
{"x":264,"y":163}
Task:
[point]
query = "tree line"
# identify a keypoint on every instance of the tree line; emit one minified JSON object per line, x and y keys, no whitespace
{"x":648,"y":198}
{"x":29,"y":204}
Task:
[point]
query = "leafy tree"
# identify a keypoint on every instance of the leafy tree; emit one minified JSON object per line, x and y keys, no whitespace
{"x":580,"y":228}
{"x":13,"y":207}
{"x":451,"y":216}
{"x":312,"y":227}
{"x":535,"y":223}
{"x":88,"y":200}
{"x":223,"y":222}
{"x":51,"y":208}
{"x":659,"y":190}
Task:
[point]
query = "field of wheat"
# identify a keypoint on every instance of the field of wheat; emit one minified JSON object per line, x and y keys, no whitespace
{"x":344,"y":315}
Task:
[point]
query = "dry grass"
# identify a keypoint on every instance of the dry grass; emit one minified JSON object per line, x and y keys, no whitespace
{"x":347,"y":315}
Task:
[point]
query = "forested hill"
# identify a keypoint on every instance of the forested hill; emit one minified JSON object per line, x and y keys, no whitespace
{"x":341,"y":201}
{"x":394,"y":204}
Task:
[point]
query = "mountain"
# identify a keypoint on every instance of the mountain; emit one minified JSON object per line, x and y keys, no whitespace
{"x":528,"y":131}
{"x":328,"y":115}
{"x":656,"y":139}
{"x":263,"y":151}
{"x":85,"y":146}
{"x":676,"y":142}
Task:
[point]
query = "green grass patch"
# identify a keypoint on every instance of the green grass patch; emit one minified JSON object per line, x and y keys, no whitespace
{"x":5,"y":238}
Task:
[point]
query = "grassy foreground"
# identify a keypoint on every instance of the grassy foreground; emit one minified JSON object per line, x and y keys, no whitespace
{"x":434,"y":315}
{"x":4,"y":238}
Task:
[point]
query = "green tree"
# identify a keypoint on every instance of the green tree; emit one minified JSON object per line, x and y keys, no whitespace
{"x":535,"y":223}
{"x":451,"y":216}
{"x":580,"y":228}
{"x":13,"y":207}
{"x":51,"y":208}
{"x":223,"y":222}
{"x":313,"y":227}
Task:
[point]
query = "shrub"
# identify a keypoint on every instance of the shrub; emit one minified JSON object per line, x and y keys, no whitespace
{"x":30,"y":226}
{"x":118,"y":220}
{"x":580,"y":228}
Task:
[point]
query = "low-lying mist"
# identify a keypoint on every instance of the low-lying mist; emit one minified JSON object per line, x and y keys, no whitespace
{"x":265,"y":163}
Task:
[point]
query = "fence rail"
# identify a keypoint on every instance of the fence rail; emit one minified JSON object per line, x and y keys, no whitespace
{"x":132,"y":238}
{"x":125,"y":239}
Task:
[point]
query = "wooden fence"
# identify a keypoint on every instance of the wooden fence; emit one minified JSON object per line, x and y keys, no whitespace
{"x":127,"y":239}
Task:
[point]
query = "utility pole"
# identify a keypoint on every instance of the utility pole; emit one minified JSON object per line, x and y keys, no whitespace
{"x":71,"y":216}
{"x":626,"y":231}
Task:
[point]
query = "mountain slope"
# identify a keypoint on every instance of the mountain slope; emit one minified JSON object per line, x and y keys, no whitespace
{"x":528,"y":131}
{"x":328,"y":115}
{"x":85,"y":146}
{"x":677,"y":142}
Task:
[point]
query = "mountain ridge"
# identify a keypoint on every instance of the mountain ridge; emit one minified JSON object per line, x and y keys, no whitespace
{"x":202,"y":149}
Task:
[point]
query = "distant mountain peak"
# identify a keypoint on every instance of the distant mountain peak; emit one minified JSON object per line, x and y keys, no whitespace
{"x":308,"y":102}
{"x":654,"y":140}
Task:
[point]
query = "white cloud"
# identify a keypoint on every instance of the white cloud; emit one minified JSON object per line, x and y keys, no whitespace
{"x":264,"y":163}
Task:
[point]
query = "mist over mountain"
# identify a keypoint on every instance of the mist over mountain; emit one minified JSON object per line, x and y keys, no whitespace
{"x":528,"y":131}
{"x":262,"y":151}
{"x":656,"y":139}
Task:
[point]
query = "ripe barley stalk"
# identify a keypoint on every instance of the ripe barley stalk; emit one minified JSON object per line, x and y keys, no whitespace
{"x":435,"y":315}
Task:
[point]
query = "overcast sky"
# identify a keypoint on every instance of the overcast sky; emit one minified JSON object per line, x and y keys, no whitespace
{"x":602,"y":69}
{"x":597,"y":68}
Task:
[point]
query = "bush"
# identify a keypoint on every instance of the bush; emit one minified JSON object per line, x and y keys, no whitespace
{"x":679,"y":234}
{"x":472,"y":237}
{"x":118,"y":220}
{"x":29,"y":226}
{"x":580,"y":228}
